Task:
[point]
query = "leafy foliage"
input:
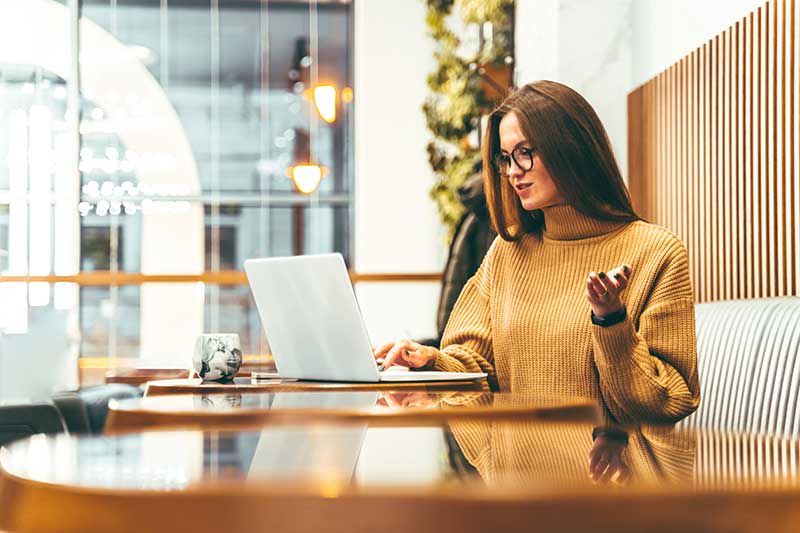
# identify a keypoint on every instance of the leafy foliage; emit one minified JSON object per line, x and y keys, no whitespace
{"x":458,"y":96}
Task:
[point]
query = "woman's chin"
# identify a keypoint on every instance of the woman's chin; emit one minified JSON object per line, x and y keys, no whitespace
{"x":530,"y":205}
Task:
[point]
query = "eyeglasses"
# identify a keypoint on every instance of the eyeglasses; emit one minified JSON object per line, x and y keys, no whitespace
{"x":522,"y":156}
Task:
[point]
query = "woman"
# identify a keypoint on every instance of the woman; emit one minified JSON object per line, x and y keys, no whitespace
{"x":577,"y":295}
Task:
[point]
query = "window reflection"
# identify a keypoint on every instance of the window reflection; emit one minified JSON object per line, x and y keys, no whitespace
{"x":191,"y":116}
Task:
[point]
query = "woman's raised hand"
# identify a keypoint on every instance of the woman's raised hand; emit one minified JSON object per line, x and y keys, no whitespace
{"x":603,"y":290}
{"x":404,"y":353}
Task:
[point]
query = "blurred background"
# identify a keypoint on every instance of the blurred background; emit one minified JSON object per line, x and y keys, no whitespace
{"x":149,"y":147}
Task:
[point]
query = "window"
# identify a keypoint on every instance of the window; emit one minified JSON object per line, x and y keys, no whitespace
{"x":192,"y":117}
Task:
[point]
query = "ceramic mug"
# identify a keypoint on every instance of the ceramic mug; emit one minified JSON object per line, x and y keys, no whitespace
{"x":217,"y":356}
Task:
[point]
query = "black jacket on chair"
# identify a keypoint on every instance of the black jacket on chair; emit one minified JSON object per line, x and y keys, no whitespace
{"x":471,"y":241}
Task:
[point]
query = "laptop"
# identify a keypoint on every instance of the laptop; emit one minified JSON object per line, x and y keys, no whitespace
{"x":309,"y":311}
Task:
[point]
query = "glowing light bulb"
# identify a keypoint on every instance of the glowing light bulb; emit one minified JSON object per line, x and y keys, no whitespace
{"x":325,"y":100}
{"x":306,"y":177}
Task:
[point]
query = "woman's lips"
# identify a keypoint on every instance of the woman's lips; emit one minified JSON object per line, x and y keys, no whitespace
{"x":522,"y":186}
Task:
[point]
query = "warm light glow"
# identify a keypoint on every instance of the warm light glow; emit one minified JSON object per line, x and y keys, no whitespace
{"x":347,"y":95}
{"x":306,"y":177}
{"x":325,"y":100}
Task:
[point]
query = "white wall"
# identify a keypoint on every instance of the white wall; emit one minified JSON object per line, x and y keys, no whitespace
{"x":585,"y":45}
{"x":396,"y":225}
{"x":665,"y":31}
{"x":606,"y":48}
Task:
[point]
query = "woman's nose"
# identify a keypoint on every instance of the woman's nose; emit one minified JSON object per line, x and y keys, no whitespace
{"x":514,"y":171}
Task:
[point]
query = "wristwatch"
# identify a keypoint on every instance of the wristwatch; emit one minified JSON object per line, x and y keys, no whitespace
{"x":609,"y":432}
{"x":611,"y":319}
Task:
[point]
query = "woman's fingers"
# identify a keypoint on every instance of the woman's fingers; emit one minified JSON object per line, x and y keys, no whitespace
{"x":598,"y":460}
{"x":601,"y":288}
{"x":597,"y":463}
{"x":615,"y":468}
{"x":391,"y":401}
{"x":623,"y":474}
{"x":593,"y":285}
{"x":395,"y":355}
{"x":607,"y":285}
{"x":591,"y":294}
{"x":382,"y":349}
{"x":620,"y":275}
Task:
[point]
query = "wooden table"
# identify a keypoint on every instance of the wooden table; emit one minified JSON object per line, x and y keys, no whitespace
{"x":500,"y":476}
{"x":247,"y":384}
{"x":392,"y":408}
{"x":140,"y":376}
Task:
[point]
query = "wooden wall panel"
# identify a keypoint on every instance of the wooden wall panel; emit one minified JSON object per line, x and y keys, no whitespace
{"x":713,"y":155}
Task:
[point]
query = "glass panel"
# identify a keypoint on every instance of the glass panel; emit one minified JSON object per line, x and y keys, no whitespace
{"x":236,"y":313}
{"x":110,"y":321}
{"x":192,"y":117}
{"x":40,"y":347}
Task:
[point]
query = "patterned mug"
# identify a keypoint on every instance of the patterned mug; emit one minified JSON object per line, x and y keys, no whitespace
{"x":217,"y":356}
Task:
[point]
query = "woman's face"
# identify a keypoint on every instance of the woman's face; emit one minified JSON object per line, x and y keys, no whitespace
{"x":535,"y":188}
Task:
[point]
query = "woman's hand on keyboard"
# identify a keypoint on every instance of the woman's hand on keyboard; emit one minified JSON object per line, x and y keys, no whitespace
{"x":404,"y":353}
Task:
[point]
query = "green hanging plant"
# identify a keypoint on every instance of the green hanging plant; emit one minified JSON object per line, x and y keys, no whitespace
{"x":459,"y":97}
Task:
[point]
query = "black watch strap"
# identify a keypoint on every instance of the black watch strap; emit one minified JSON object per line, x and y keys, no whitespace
{"x":613,"y":433}
{"x":610,"y":320}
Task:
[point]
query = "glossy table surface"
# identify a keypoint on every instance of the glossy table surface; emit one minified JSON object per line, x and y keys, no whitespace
{"x":296,"y":475}
{"x":249,"y":384}
{"x":390,"y":407}
{"x":142,"y":374}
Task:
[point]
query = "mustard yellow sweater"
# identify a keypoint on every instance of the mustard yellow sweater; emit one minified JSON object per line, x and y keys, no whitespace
{"x":525,"y":320}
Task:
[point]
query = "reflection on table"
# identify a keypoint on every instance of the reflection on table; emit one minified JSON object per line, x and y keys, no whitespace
{"x":390,"y":407}
{"x":251,"y":384}
{"x":466,"y":474}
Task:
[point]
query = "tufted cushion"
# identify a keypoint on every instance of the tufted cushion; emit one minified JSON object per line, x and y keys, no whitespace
{"x":748,"y":353}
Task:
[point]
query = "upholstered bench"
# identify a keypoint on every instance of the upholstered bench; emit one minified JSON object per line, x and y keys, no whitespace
{"x":749,"y":363}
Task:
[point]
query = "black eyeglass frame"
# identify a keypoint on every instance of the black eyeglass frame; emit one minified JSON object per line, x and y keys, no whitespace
{"x":501,"y":159}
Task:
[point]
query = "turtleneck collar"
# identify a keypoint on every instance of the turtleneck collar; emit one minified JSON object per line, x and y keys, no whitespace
{"x":565,"y":223}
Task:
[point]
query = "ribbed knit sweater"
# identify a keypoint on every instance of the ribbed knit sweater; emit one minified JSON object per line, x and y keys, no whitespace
{"x":524,"y":319}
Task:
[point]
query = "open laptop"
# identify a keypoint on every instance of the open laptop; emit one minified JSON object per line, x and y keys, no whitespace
{"x":315,"y":329}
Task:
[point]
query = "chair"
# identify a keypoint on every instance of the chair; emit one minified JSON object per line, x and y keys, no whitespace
{"x":85,"y":410}
{"x":749,"y":363}
{"x":18,"y":421}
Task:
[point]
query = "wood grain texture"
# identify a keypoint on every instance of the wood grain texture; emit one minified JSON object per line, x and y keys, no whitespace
{"x":714,"y":156}
{"x":427,"y":409}
{"x":198,"y":386}
{"x":221,"y":277}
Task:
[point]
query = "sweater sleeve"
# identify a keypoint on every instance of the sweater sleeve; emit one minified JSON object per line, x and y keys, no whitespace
{"x":649,"y":374}
{"x":467,"y":340}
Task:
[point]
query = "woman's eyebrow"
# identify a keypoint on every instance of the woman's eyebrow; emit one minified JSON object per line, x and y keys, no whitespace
{"x":515,"y":146}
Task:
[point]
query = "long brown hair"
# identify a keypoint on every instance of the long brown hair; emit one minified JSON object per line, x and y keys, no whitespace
{"x":570,"y":140}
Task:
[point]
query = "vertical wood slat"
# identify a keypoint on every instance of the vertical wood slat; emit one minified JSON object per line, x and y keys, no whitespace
{"x":771,"y":133}
{"x":747,"y":153}
{"x":763,"y":182}
{"x":713,"y":156}
{"x":783,"y":186}
{"x":705,"y":211}
{"x":695,"y":175}
{"x":738,"y":175}
{"x":717,"y":234}
{"x":789,"y":152}
{"x":725,"y":140}
{"x":750,"y":155}
{"x":795,"y":113}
